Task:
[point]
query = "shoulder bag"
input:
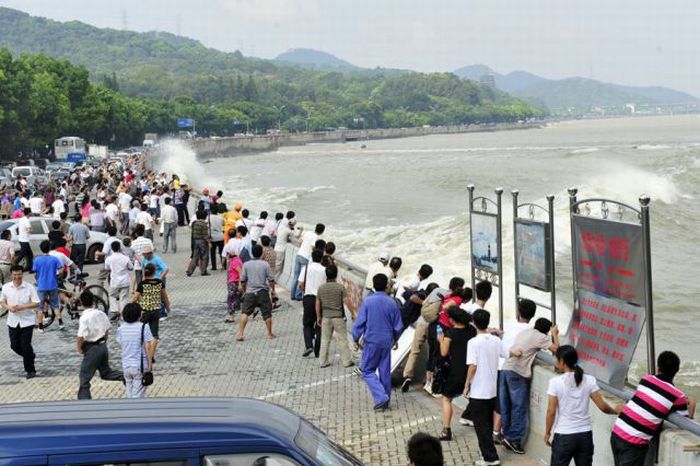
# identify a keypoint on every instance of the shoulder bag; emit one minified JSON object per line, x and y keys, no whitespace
{"x":146,"y":377}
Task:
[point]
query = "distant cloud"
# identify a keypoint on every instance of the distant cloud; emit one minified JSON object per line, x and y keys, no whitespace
{"x":272,"y":10}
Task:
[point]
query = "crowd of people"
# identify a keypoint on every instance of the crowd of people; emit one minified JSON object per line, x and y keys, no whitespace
{"x":133,"y":205}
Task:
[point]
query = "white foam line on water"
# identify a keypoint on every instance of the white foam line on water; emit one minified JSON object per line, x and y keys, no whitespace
{"x":391,"y":430}
{"x":304,"y":387}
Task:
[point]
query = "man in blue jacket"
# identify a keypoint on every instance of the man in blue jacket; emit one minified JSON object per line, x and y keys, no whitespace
{"x":379,"y":324}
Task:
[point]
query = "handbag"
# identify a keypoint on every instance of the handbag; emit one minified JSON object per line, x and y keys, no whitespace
{"x":146,"y":377}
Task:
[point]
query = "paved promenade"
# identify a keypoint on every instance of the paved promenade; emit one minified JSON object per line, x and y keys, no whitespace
{"x":198,"y":356}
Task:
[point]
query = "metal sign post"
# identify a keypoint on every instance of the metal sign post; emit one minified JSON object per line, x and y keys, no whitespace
{"x":485,"y":236}
{"x":611,"y":259}
{"x":539,"y":270}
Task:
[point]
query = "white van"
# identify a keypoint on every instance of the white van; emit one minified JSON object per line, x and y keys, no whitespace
{"x":26,"y":171}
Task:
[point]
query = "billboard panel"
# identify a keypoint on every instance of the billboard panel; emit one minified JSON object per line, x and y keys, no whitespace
{"x":605,"y":333}
{"x":609,"y":258}
{"x":484,"y":242}
{"x":185,"y":123}
{"x":532,"y":254}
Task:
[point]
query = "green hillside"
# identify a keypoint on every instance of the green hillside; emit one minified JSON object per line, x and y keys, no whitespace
{"x":163,"y":66}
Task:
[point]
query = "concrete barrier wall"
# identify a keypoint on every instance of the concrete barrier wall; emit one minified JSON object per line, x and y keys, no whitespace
{"x":234,"y":145}
{"x":672,"y":441}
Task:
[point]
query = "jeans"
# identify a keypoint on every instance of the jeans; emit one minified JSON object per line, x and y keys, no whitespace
{"x":337,"y":326}
{"x":170,"y":236}
{"x":312,"y":332}
{"x":514,"y":398}
{"x":578,"y":447}
{"x":124,"y":223}
{"x":626,"y":454}
{"x":299,"y":263}
{"x":118,"y":298}
{"x":180,"y":214}
{"x":482,"y":415}
{"x":134,"y":382}
{"x":21,"y":343}
{"x":95,"y":358}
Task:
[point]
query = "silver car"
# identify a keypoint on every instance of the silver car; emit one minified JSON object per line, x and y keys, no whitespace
{"x":40,"y":232}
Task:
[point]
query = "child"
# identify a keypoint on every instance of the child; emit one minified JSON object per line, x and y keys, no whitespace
{"x":135,"y":355}
{"x":235,"y":266}
{"x":151,"y":294}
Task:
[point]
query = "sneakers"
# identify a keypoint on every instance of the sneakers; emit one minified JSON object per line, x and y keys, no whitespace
{"x":61,"y":327}
{"x":383,"y":406}
{"x":487,"y":463}
{"x":406,"y":385}
{"x":466,"y":422}
{"x":515,"y":447}
{"x":31,"y":375}
{"x":428,"y":387}
{"x":307,"y":352}
{"x":357,"y":372}
{"x":497,"y":438}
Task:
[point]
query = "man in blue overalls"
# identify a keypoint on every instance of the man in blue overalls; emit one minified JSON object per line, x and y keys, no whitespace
{"x":379,"y":324}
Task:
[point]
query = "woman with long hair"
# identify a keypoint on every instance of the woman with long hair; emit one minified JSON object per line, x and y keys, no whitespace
{"x":453,"y":348}
{"x":567,"y":411}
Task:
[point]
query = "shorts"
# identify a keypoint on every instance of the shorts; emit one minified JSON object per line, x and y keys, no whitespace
{"x":49,"y":296}
{"x":259,"y":299}
{"x":152,"y":318}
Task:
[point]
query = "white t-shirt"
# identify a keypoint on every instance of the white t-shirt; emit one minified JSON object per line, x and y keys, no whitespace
{"x":216,"y":227}
{"x":233,"y":247}
{"x":312,"y":280}
{"x":483,"y":350}
{"x":307,"y":244}
{"x":270,"y":228}
{"x":283,"y":233}
{"x":124,"y":201}
{"x":375,"y":269}
{"x":112,"y":212}
{"x":23,"y":228}
{"x":573,"y":415}
{"x":405,"y":284}
{"x":65,"y":261}
{"x":145,"y":219}
{"x":153,"y":202}
{"x":121,"y":268}
{"x":257,"y":229}
{"x":36,"y":204}
{"x":58,"y":207}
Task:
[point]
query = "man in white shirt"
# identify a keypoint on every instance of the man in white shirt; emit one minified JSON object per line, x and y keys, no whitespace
{"x":58,"y":206}
{"x":312,"y":276}
{"x":124,"y":201}
{"x":481,"y":388}
{"x":112,"y":213}
{"x":379,"y":266}
{"x":412,"y":282}
{"x":168,"y":215}
{"x":145,"y":219}
{"x":24,"y":230}
{"x":271,"y":225}
{"x":21,"y":300}
{"x":120,"y":268}
{"x":216,"y":232}
{"x":93,"y":331}
{"x":285,"y":232}
{"x":303,"y":256}
{"x":36,"y":203}
{"x":139,"y":246}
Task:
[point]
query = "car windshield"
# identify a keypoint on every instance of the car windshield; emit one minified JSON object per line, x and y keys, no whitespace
{"x":316,"y":444}
{"x":22,"y":171}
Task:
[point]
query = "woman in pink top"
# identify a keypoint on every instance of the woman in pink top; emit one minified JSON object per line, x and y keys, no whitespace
{"x":235,"y":266}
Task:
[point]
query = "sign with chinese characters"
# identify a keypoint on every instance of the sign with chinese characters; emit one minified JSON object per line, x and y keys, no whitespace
{"x":609,"y":258}
{"x":605,"y":333}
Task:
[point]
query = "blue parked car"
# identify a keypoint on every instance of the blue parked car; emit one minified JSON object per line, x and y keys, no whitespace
{"x":163,"y":432}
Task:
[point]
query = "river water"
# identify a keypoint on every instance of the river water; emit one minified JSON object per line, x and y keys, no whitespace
{"x":409,"y":197}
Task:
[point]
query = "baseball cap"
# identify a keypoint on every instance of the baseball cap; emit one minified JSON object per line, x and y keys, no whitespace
{"x":384,"y":256}
{"x":292,"y":221}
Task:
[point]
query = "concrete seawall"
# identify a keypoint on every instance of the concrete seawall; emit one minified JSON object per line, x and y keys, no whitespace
{"x":676,"y":447}
{"x":246,"y":144}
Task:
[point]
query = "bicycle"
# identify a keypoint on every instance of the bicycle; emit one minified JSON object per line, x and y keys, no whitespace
{"x":70,"y":299}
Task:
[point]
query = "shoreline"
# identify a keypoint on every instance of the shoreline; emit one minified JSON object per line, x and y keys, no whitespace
{"x":232,"y":146}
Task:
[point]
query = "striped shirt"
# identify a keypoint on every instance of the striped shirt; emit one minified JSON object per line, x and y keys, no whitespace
{"x":643,"y":415}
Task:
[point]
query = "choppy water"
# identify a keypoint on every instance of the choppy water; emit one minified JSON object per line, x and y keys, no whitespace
{"x":408,"y":196}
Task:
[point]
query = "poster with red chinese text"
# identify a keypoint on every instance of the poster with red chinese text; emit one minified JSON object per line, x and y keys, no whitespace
{"x":605,"y":333}
{"x":609,"y":258}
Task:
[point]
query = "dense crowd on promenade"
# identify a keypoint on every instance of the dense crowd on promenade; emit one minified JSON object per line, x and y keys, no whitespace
{"x":137,"y":208}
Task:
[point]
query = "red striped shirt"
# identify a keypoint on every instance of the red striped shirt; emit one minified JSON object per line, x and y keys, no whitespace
{"x":642,"y":416}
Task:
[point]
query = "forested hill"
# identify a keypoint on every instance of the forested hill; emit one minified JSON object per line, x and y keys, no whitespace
{"x":162,"y":66}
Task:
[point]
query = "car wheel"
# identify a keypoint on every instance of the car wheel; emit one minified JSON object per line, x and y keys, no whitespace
{"x":92,"y":253}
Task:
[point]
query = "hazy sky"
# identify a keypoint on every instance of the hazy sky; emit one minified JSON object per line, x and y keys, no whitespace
{"x":637,"y":42}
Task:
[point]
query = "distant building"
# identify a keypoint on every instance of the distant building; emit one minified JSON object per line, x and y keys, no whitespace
{"x":488,"y":80}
